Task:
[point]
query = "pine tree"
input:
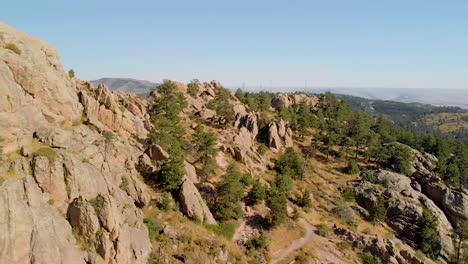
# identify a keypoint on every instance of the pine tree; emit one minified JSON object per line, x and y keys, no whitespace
{"x":460,"y":242}
{"x":230,"y":194}
{"x":205,"y":148}
{"x":428,"y":238}
{"x":277,"y":202}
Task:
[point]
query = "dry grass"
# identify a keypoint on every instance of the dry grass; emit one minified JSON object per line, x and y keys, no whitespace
{"x":282,"y":236}
{"x":448,"y":122}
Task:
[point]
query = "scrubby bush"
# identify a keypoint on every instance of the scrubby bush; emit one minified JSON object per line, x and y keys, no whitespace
{"x":154,"y":229}
{"x":257,"y":193}
{"x":226,"y":229}
{"x":352,"y":168}
{"x":71,"y":73}
{"x":323,"y":230}
{"x":368,"y":259}
{"x":47,"y":152}
{"x":171,"y":174}
{"x":193,"y":88}
{"x":348,"y":195}
{"x":427,"y":236}
{"x":13,"y":47}
{"x":166,"y":202}
{"x":305,"y":200}
{"x":369,"y":176}
{"x":277,"y":202}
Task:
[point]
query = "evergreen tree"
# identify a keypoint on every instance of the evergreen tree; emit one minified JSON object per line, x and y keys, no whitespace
{"x":428,"y":238}
{"x":460,"y":242}
{"x":230,"y":194}
{"x":205,"y":148}
{"x":257,"y":193}
{"x":290,"y":164}
{"x":277,"y":202}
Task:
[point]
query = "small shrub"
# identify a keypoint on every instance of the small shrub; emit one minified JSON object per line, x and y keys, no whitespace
{"x":352,"y":168}
{"x":323,"y":230}
{"x":305,"y":201}
{"x":109,"y":137}
{"x":255,"y":244}
{"x":124,"y":184}
{"x":13,"y":47}
{"x":97,"y":203}
{"x":166,"y":202}
{"x":369,"y":176}
{"x":348,"y":195}
{"x":192,"y":88}
{"x":296,"y":214}
{"x":262,"y":149}
{"x":47,"y":152}
{"x":368,"y":259}
{"x":71,"y":73}
{"x":154,"y":229}
{"x":257,"y":193}
{"x":51,"y":201}
{"x":226,"y":229}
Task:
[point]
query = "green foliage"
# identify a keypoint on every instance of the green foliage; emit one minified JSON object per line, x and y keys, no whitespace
{"x":223,"y":107}
{"x":345,"y":213}
{"x":368,"y":259}
{"x":290,"y":164}
{"x":369,"y":176}
{"x":193,"y":88}
{"x":125,"y":184}
{"x":47,"y":152}
{"x":397,"y":157}
{"x":257,"y":193}
{"x":460,"y":242}
{"x":239,"y":94}
{"x":166,"y":202}
{"x":13,"y":47}
{"x":348,"y":195}
{"x":230,"y":194}
{"x":204,"y":143}
{"x":296,"y":214}
{"x":352,"y":168}
{"x":427,"y":236}
{"x":108,"y":137}
{"x":168,"y":132}
{"x":226,"y":229}
{"x":171,"y":174}
{"x":97,"y":203}
{"x":259,"y":243}
{"x":154,"y":229}
{"x":277,"y":202}
{"x":305,"y":200}
{"x":71,"y":73}
{"x":323,"y":230}
{"x":378,"y":212}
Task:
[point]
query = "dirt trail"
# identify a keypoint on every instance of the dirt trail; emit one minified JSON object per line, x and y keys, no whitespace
{"x":327,"y":251}
{"x":297,"y":244}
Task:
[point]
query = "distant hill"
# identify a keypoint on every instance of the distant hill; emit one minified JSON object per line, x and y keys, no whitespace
{"x":415,"y":116}
{"x":437,"y":97}
{"x":140,"y":87}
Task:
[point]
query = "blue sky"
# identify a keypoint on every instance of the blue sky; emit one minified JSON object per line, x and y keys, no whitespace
{"x":410,"y":43}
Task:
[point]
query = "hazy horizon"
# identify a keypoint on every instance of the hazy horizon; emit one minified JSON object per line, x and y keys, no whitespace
{"x":420,"y":44}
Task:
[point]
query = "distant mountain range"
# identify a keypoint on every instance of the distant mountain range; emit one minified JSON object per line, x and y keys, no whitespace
{"x":140,"y":87}
{"x":436,"y":97}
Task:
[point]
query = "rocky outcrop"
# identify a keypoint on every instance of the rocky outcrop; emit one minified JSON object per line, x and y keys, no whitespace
{"x":379,"y":247}
{"x":79,"y":146}
{"x":404,"y":206}
{"x":288,"y":100}
{"x":192,"y":203}
{"x":279,"y":136}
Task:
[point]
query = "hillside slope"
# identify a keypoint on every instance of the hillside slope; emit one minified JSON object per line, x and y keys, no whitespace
{"x":138,"y":87}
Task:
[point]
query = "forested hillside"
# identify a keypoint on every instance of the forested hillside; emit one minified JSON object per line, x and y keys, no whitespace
{"x":449,"y":121}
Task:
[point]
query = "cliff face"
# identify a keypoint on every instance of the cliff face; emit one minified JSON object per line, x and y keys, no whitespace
{"x":69,"y":192}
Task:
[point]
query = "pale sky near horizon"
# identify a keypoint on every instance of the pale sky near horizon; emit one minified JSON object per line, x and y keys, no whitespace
{"x":399,"y":43}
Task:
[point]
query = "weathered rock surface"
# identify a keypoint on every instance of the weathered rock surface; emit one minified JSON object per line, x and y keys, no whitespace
{"x":288,"y":100}
{"x":192,"y":203}
{"x":279,"y":136}
{"x":90,"y":144}
{"x":404,"y":206}
{"x":382,"y":248}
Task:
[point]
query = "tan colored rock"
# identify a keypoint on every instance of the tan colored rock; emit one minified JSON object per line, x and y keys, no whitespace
{"x":274,"y":141}
{"x":157,"y":153}
{"x":191,"y":172}
{"x":193,"y":205}
{"x":83,"y":217}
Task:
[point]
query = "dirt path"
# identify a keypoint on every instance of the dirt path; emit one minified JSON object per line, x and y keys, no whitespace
{"x":325,"y":250}
{"x":297,"y":244}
